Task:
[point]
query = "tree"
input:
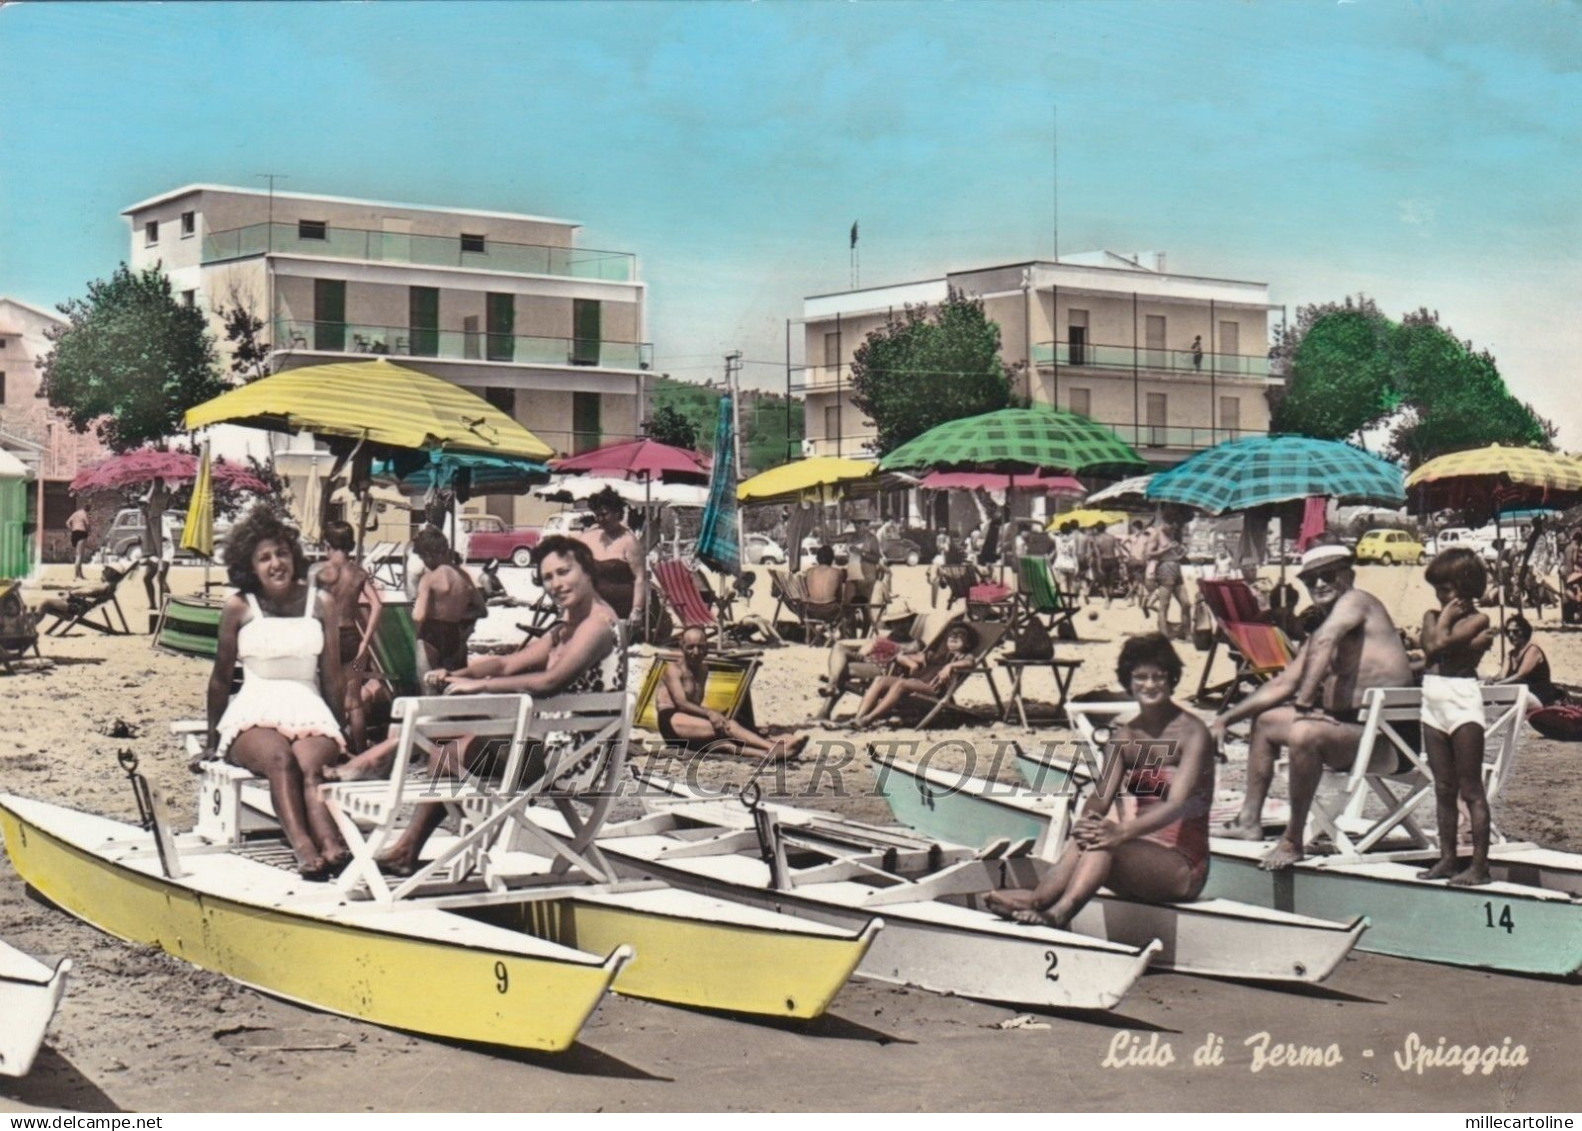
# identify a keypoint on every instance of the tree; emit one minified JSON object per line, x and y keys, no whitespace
{"x":1349,"y":368}
{"x":668,"y":426}
{"x":131,"y":360}
{"x":925,"y":368}
{"x":244,"y":330}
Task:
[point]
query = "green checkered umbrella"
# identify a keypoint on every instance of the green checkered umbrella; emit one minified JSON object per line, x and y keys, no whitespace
{"x":1241,"y":474}
{"x":1015,"y":441}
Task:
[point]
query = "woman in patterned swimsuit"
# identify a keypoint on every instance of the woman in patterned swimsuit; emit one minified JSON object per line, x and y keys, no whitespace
{"x":1161,"y":768}
{"x":577,"y":655}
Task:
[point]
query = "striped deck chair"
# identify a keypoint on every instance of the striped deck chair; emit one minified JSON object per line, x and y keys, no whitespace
{"x":189,"y":626}
{"x":1259,"y":649}
{"x":681,"y":593}
{"x":728,"y":689}
{"x":1040,"y":597}
{"x":395,"y":648}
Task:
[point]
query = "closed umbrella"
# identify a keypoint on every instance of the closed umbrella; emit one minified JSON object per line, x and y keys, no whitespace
{"x":197,"y":534}
{"x":313,"y":505}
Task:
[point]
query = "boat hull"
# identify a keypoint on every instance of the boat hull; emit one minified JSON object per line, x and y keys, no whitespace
{"x":461,"y":992}
{"x":30,"y":992}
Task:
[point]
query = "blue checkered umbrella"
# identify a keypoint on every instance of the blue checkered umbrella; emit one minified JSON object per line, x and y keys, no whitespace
{"x":1261,"y":470}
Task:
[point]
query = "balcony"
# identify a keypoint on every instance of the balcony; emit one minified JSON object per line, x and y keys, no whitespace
{"x":1092,"y":356}
{"x":424,"y":251}
{"x":459,"y":345}
{"x":1190,"y":438}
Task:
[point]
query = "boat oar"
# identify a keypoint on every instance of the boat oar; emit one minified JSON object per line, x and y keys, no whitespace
{"x":153,"y":814}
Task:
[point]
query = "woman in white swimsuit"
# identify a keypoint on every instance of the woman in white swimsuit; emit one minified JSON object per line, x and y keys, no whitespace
{"x":283,"y":724}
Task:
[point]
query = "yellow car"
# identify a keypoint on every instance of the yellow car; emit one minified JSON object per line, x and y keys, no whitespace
{"x":1390,"y":546}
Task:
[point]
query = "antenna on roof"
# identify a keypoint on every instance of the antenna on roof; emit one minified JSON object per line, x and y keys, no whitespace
{"x":1054,"y":118}
{"x":269,"y":239}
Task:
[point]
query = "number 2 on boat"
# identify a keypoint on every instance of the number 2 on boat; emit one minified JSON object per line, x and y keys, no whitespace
{"x":1504,"y":920}
{"x":1051,"y":974}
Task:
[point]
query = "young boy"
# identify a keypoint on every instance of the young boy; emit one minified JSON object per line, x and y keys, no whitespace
{"x":1455,"y":637}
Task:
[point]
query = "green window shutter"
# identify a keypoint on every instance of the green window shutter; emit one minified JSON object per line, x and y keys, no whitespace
{"x":423,"y":308}
{"x":587,"y":433}
{"x":501,"y":327}
{"x":587,"y":328}
{"x":329,"y":314}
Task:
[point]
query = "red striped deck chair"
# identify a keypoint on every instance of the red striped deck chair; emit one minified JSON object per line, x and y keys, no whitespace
{"x":680,"y":590}
{"x":1259,"y":649}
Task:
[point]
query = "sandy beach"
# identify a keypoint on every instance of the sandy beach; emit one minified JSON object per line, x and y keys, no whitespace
{"x":141,"y":1031}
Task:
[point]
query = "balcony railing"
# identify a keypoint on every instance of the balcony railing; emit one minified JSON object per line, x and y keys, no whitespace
{"x":459,"y":345}
{"x":1094,"y":356}
{"x":427,"y":251}
{"x":1144,"y":436}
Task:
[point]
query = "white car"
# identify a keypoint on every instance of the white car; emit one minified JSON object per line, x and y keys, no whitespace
{"x":760,"y":549}
{"x":569,"y":523}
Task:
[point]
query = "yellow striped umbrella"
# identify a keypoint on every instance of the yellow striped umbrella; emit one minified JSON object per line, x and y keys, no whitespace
{"x":1498,"y":474}
{"x":197,"y":535}
{"x":803,"y":475}
{"x":377,"y":401}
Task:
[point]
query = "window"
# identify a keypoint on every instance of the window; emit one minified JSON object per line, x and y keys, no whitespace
{"x":313,"y":230}
{"x":473,"y":244}
{"x":471,"y":338}
{"x":502,"y":398}
{"x":831,"y":351}
{"x":1154,"y":339}
{"x":500,"y":322}
{"x":1077,"y":337}
{"x":1229,"y":347}
{"x":2,"y":388}
{"x":1158,"y":414}
{"x":423,"y":318}
{"x":151,"y":233}
{"x":2,"y":343}
{"x":189,"y":224}
{"x":1230,"y":415}
{"x":189,"y":298}
{"x":587,"y":329}
{"x":832,"y":422}
{"x":329,"y":314}
{"x":1081,"y":401}
{"x":587,"y":430}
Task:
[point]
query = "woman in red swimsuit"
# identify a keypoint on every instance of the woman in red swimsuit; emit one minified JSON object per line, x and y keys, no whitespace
{"x":1159,"y":780}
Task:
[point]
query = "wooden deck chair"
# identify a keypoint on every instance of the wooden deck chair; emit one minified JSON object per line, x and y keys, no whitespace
{"x":680,"y":591}
{"x":1401,"y":792}
{"x":1039,"y":596}
{"x":822,"y":621}
{"x":189,"y":626}
{"x":558,"y":748}
{"x":861,"y":672}
{"x":386,"y":562}
{"x":395,"y":650}
{"x":18,"y":628}
{"x":989,"y":633}
{"x":85,"y":604}
{"x":728,"y":689}
{"x":955,"y":581}
{"x":1259,"y":648}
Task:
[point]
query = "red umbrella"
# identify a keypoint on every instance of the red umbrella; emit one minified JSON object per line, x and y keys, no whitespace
{"x":1061,"y":486}
{"x":145,"y":465}
{"x":637,"y":459}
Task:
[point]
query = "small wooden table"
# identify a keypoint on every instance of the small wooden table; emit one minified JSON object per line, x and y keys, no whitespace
{"x":1064,"y":671}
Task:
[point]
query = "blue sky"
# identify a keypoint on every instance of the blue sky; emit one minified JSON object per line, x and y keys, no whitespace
{"x":1426,"y":153}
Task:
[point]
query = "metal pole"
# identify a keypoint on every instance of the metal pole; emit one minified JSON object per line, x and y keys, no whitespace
{"x":733,"y":365}
{"x":1054,"y":351}
{"x":840,"y":355}
{"x":787,"y":454}
{"x":1136,"y":396}
{"x":1213,"y":375}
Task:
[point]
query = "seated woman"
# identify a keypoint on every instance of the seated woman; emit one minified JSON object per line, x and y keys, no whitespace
{"x":577,"y":654}
{"x":283,"y":725}
{"x":1528,"y":664}
{"x":921,"y":673}
{"x":1162,"y":760}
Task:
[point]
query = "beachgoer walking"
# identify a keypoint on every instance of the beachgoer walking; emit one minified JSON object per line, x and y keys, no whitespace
{"x":78,"y":526}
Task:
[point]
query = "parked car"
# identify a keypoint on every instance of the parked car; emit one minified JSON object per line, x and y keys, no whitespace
{"x":1390,"y":546}
{"x":760,"y":549}
{"x":489,"y":538}
{"x":1480,"y":540}
{"x":895,"y":551}
{"x":811,"y":543}
{"x":570,"y":523}
{"x":124,"y":538}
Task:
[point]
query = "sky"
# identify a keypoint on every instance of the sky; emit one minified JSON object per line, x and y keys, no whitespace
{"x":1425,"y":153}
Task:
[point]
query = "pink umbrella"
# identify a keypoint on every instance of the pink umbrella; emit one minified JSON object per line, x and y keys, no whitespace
{"x":130,"y":469}
{"x":1061,"y":486}
{"x":637,"y":459}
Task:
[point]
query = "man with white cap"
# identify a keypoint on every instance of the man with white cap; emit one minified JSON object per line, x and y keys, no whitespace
{"x":1312,"y":708}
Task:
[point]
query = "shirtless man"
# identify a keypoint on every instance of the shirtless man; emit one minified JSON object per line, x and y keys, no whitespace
{"x":444,"y":598}
{"x":684,"y":719}
{"x":826,"y":584}
{"x":351,"y":589}
{"x":1312,"y":707}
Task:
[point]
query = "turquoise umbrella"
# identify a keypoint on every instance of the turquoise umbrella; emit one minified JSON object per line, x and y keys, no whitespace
{"x":489,"y":475}
{"x":1258,"y":471}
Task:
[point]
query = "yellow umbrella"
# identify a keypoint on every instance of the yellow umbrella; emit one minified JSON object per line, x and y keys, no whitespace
{"x":803,"y":475}
{"x":1532,"y":468}
{"x":1086,"y":518}
{"x":197,"y":535}
{"x":376,"y":401}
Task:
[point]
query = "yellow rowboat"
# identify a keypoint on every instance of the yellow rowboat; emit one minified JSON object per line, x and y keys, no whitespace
{"x":518,"y":964}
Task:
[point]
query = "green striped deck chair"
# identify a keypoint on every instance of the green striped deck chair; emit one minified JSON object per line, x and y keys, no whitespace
{"x":1040,"y":597}
{"x":190,"y":626}
{"x":395,"y":648}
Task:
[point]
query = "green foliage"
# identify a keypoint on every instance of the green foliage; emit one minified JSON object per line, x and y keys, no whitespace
{"x":249,"y":350}
{"x":925,"y":368}
{"x":131,"y":360}
{"x":667,"y":425}
{"x":1350,"y":368}
{"x":766,"y":441}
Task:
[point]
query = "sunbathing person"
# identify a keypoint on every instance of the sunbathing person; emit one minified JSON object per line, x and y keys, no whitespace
{"x":282,"y":725}
{"x":577,"y":654}
{"x":75,"y":602}
{"x":1528,"y":664}
{"x":351,"y":590}
{"x":1160,"y":774}
{"x":445,"y":608}
{"x":684,"y":719}
{"x":922,"y":673}
{"x":1313,"y":708}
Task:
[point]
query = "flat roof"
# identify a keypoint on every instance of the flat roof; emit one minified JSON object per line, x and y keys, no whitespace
{"x":39,"y":310}
{"x":1135,"y":269}
{"x":187,"y":190}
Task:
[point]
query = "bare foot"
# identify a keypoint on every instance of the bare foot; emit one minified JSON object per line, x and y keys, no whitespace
{"x":363,"y":766}
{"x":1041,"y":919}
{"x":798,"y":744}
{"x":1475,"y":876}
{"x":1239,"y":830}
{"x":1443,"y":870}
{"x":1281,"y":857}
